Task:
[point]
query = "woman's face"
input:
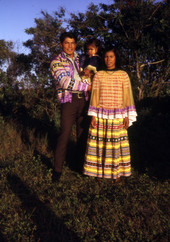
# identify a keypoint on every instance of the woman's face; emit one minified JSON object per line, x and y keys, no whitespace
{"x":110,"y":59}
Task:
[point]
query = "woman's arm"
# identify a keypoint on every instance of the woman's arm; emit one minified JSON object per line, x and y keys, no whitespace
{"x":126,"y":122}
{"x":93,"y":121}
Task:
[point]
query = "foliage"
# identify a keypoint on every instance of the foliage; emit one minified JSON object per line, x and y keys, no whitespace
{"x":43,"y":46}
{"x":9,"y":138}
{"x":81,"y":208}
{"x":137,"y":28}
{"x":5,"y":51}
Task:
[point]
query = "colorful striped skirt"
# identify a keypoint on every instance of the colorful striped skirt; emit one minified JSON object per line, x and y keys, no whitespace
{"x":107,"y":153}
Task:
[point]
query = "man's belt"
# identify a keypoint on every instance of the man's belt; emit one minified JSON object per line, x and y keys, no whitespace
{"x":78,"y":93}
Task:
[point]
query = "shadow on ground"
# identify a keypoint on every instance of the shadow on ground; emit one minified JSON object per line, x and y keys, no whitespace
{"x":49,"y":226}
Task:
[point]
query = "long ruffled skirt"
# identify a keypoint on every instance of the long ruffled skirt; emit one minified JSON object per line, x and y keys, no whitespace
{"x":107,"y":153}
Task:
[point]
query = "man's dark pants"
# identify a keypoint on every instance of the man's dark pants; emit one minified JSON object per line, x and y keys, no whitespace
{"x":76,"y":111}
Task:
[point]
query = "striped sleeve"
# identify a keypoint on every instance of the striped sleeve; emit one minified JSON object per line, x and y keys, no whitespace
{"x":62,"y":77}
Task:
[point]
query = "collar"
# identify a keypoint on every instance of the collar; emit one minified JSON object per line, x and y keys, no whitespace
{"x":68,"y":57}
{"x":114,"y":69}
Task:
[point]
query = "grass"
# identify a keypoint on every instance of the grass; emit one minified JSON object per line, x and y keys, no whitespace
{"x":81,"y":208}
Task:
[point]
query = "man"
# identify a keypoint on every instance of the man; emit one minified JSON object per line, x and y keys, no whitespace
{"x":72,"y":94}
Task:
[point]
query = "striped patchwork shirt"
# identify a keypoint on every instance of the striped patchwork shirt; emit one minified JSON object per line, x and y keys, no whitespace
{"x":65,"y":73}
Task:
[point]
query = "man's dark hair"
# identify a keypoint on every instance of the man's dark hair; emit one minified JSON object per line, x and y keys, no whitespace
{"x":65,"y":35}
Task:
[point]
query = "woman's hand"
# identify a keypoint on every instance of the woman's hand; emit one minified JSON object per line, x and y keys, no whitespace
{"x":126,"y":122}
{"x":89,"y":88}
{"x":93,"y":122}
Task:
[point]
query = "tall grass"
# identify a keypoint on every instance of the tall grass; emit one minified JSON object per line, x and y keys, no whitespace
{"x":11,"y":143}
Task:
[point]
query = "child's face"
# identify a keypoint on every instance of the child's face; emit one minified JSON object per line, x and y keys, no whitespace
{"x":91,"y":50}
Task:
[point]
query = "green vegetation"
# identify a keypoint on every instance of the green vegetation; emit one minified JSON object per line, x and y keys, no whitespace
{"x":81,"y":208}
{"x":139,"y":29}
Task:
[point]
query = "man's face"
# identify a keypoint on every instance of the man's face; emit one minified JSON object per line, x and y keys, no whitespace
{"x":69,"y":46}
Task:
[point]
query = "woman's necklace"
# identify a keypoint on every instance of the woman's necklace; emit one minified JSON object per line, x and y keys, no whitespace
{"x":111,"y":71}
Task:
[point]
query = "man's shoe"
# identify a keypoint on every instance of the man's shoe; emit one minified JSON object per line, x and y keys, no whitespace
{"x":56,"y":176}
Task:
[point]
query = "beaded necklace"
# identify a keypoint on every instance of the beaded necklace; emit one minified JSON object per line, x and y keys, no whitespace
{"x":111,"y":71}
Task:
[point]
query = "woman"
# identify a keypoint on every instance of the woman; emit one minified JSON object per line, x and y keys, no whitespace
{"x":113,"y":111}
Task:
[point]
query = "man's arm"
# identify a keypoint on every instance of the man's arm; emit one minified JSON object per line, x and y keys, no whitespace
{"x":59,"y":70}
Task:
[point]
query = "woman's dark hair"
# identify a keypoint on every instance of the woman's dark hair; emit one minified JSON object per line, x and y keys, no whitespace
{"x":115,"y":51}
{"x":70,"y":35}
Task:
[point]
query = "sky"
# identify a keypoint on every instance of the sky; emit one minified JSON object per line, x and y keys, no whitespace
{"x":18,"y":15}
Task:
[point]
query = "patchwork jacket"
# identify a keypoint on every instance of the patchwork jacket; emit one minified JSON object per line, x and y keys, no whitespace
{"x":62,"y":71}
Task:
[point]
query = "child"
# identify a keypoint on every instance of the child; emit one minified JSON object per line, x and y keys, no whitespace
{"x":90,"y":62}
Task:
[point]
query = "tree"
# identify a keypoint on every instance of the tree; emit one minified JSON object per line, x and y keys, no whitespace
{"x":140,"y":30}
{"x":142,"y":36}
{"x":44,"y":44}
{"x":6,"y":52}
{"x":7,"y":57}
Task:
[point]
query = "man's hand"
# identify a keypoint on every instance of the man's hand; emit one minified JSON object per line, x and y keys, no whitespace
{"x":93,"y":122}
{"x":126,"y":122}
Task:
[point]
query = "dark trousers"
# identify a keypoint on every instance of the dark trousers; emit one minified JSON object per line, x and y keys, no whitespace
{"x":74,"y":112}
